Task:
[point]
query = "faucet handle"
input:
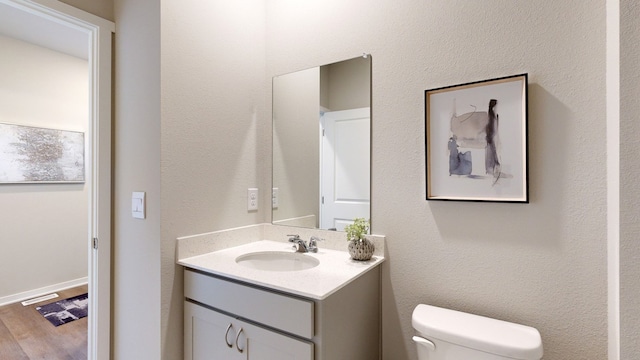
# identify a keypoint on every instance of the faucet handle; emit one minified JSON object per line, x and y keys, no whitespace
{"x":299,"y":245}
{"x":313,"y":243}
{"x":293,"y":237}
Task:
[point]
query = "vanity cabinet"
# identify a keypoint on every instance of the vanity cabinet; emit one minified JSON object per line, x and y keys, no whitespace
{"x":228,"y":319}
{"x":213,"y":335}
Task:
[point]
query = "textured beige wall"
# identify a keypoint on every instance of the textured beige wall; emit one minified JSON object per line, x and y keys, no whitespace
{"x":541,"y":264}
{"x":214,"y":131}
{"x":44,"y":231}
{"x":629,"y":184}
{"x":136,"y":242}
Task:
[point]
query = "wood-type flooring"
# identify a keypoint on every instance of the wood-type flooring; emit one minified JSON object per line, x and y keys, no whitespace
{"x":27,"y":335}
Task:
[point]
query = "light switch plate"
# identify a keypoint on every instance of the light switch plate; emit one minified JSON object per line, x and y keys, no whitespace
{"x":252,"y":199}
{"x":138,"y":204}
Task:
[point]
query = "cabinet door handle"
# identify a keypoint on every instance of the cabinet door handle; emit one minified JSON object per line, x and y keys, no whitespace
{"x":226,"y":334}
{"x":238,"y":345}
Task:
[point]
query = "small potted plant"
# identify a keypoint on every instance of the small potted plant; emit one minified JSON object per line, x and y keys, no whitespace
{"x":360,"y":248}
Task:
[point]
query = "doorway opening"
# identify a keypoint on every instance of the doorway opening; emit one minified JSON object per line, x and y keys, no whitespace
{"x":68,"y":30}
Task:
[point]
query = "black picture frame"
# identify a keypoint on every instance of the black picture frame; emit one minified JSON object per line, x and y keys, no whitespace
{"x":476,"y":141}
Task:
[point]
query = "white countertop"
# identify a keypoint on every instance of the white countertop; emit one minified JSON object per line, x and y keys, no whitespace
{"x":336,"y":269}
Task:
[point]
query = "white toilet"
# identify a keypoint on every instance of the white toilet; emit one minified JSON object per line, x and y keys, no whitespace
{"x":445,"y":334}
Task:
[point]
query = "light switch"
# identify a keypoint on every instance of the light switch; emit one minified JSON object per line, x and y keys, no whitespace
{"x":138,"y":204}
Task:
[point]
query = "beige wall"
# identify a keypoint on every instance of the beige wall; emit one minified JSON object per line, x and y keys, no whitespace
{"x":136,"y":243}
{"x":215,"y":131}
{"x":296,"y":108}
{"x":629,"y":184}
{"x":44,"y":232}
{"x":348,"y":84}
{"x":541,"y":264}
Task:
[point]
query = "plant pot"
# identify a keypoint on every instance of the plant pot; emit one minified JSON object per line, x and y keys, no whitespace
{"x":361,"y":249}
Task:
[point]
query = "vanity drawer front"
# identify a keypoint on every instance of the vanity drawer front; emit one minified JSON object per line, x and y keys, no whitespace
{"x":293,"y":315}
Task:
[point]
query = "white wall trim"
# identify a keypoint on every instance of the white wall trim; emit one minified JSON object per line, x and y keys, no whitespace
{"x":10,"y":299}
{"x":63,"y":13}
{"x":613,"y":176}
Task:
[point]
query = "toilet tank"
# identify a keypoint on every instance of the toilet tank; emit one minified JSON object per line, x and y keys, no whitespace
{"x":454,"y":335}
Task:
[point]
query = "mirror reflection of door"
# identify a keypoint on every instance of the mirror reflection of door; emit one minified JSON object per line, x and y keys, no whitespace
{"x":298,"y":100}
{"x":345,"y":167}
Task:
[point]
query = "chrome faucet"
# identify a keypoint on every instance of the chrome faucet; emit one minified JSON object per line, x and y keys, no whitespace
{"x":301,"y":246}
{"x":298,"y":244}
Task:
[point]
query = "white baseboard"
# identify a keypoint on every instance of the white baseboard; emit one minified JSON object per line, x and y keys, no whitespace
{"x":10,"y":299}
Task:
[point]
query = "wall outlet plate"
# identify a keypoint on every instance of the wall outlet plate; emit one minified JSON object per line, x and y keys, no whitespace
{"x":274,"y":198}
{"x":252,"y":199}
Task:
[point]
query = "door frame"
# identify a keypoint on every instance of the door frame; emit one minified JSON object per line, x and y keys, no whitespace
{"x":99,"y":37}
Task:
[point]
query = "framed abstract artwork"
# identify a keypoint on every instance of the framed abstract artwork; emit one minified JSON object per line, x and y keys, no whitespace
{"x":476,"y":141}
{"x":39,"y":155}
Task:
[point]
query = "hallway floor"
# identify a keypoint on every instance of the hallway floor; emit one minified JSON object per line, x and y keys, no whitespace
{"x":27,"y":335}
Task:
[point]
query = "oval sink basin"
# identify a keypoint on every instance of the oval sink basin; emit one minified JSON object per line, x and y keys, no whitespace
{"x":277,"y":261}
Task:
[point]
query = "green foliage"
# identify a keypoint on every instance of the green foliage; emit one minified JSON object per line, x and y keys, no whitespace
{"x":358,"y":230}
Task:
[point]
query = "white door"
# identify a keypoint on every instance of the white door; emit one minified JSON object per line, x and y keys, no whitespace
{"x":345,"y":167}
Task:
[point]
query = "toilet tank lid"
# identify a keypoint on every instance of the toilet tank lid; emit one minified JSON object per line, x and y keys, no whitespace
{"x":478,"y":332}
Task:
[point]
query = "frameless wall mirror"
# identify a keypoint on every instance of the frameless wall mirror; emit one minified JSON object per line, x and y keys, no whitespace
{"x":322,"y":145}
